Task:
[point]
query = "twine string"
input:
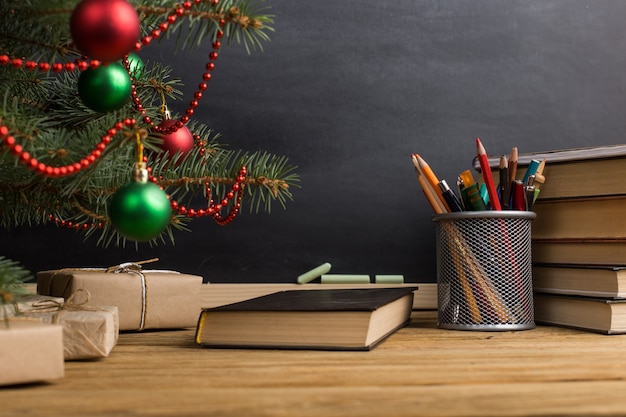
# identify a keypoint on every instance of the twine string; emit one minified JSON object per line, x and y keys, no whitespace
{"x":135,"y":268}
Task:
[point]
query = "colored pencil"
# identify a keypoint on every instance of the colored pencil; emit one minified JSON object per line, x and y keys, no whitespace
{"x":486,"y":170}
{"x":432,"y":179}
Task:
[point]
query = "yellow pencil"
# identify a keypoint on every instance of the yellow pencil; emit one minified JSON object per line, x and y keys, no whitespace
{"x":429,"y":191}
{"x":432,"y":199}
{"x":432,"y":179}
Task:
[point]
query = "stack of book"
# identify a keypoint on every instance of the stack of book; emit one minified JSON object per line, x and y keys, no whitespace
{"x":579,"y":238}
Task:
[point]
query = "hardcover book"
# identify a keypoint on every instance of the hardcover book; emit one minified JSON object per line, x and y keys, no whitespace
{"x":330,"y":319}
{"x":580,"y":172}
{"x":593,"y":281}
{"x":599,"y":315}
{"x":580,"y":251}
{"x":592,"y":218}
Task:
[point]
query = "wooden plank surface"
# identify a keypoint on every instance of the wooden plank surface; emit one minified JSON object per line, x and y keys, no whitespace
{"x":420,"y":370}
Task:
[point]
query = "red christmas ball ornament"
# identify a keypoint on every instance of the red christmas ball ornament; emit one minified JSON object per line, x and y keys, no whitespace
{"x":106,"y":30}
{"x":181,"y":140}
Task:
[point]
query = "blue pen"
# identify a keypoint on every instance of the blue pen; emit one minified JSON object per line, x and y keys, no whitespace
{"x":451,"y":198}
{"x":531,"y":170}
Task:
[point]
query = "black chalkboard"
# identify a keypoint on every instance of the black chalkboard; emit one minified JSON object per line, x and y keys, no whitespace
{"x":348,"y":90}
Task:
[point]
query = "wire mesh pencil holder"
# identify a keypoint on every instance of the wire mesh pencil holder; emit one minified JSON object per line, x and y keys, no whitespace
{"x":484,"y":270}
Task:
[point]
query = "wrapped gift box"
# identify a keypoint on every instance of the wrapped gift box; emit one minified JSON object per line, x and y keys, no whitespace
{"x":88,"y":332}
{"x":147,"y":299}
{"x":30,"y":351}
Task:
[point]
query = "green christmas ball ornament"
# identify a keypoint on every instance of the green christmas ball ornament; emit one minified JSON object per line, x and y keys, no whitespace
{"x":135,"y":65}
{"x":140,"y":211}
{"x":105,"y":88}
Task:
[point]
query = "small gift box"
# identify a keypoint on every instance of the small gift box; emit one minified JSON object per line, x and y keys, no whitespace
{"x":146,"y":299}
{"x":88,"y":332}
{"x":30,"y":351}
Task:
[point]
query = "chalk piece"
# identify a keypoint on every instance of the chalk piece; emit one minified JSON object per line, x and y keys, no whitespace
{"x":389,"y":279}
{"x":345,"y":279}
{"x":314,"y":273}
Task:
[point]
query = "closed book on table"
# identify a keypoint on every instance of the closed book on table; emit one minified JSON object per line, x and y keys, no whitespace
{"x":601,"y":315}
{"x":579,"y":172}
{"x":591,"y":218}
{"x":580,"y":251}
{"x":589,"y":280}
{"x":333,"y":319}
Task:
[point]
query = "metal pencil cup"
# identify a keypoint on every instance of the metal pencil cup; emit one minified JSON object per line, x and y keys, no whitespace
{"x":484,"y":270}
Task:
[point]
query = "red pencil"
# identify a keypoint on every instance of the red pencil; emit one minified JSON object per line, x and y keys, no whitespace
{"x":486,"y":170}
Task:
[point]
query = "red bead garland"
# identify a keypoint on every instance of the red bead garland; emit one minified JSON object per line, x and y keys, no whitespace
{"x":213,"y":209}
{"x":206,"y":77}
{"x":60,"y":171}
{"x":83,"y":64}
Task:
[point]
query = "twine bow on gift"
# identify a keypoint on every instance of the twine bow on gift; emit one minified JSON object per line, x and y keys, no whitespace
{"x":58,"y":307}
{"x":135,"y":268}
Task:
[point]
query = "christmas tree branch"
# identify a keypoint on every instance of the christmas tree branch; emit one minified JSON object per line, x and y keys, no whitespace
{"x":232,"y":15}
{"x":12,"y":279}
{"x":47,"y":126}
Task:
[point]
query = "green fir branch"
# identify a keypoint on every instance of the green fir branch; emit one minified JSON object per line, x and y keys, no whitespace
{"x":45,"y":115}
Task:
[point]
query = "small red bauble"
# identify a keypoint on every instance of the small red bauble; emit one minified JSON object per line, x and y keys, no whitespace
{"x":180,"y":140}
{"x":106,"y":30}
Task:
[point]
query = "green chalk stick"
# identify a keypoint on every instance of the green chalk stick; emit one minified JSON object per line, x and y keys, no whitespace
{"x":345,"y":279}
{"x":389,"y":279}
{"x":314,"y":273}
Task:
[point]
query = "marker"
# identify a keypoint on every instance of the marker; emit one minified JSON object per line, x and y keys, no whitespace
{"x":513,"y":165}
{"x":486,"y":170}
{"x":470,"y":192}
{"x":539,"y":178}
{"x":530,"y":196}
{"x":505,"y":185}
{"x":531,"y":170}
{"x":518,"y":196}
{"x":484,"y":194}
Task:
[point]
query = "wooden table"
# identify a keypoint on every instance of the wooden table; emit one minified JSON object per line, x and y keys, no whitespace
{"x":418,"y":371}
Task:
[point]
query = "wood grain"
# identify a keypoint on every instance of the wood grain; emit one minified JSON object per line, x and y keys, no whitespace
{"x":420,"y":370}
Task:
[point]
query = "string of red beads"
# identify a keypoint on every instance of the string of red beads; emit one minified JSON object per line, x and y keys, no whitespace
{"x":60,"y":171}
{"x":84,"y":64}
{"x":213,"y":209}
{"x":206,"y":77}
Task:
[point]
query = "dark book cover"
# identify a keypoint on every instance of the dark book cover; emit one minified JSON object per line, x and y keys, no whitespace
{"x":365,"y":299}
{"x":299,"y":319}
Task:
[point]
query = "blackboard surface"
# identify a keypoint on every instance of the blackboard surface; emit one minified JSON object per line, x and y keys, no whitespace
{"x":348,"y":90}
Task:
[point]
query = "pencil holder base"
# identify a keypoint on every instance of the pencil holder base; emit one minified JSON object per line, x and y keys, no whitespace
{"x":484,"y":270}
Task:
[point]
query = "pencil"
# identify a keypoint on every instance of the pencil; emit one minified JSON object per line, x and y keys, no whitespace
{"x":513,"y":166}
{"x":486,"y":169}
{"x":430,"y":196}
{"x":432,"y":179}
{"x":429,"y":193}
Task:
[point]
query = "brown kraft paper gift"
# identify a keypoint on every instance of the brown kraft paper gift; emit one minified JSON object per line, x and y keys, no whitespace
{"x":30,"y":351}
{"x":150,"y":299}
